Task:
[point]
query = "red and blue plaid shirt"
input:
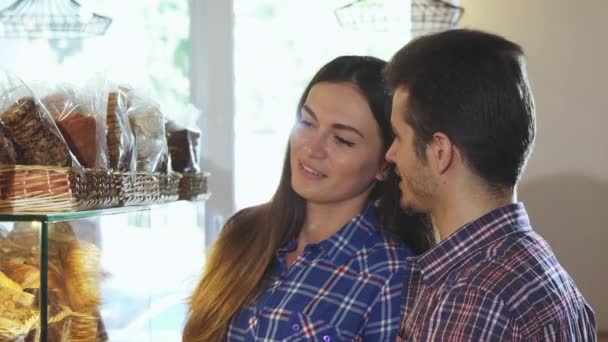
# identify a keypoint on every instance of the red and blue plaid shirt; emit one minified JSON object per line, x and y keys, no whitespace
{"x":495,"y":279}
{"x":345,"y":288}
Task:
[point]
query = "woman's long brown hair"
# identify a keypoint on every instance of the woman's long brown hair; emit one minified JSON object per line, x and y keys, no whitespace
{"x":241,"y":260}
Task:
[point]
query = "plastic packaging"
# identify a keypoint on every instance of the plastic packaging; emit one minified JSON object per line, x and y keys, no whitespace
{"x":121,"y":150}
{"x":37,"y":140}
{"x":148,"y":125}
{"x":78,"y":117}
{"x":184,"y":140}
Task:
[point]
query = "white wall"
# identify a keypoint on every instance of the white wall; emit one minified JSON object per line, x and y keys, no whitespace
{"x":565,"y":187}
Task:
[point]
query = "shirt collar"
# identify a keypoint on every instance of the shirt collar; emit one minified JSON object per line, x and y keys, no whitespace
{"x":450,"y":253}
{"x":347,"y":241}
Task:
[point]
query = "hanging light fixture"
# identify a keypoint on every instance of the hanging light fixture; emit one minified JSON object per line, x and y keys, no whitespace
{"x":434,"y":15}
{"x":372,"y":15}
{"x":381,"y":15}
{"x":51,"y":19}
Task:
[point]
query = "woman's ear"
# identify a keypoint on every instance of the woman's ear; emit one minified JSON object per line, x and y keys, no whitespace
{"x":385,"y":168}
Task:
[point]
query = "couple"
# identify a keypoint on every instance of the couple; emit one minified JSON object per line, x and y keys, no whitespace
{"x":327,"y":258}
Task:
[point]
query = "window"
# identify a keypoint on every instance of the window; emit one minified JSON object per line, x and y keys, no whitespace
{"x":146,"y":45}
{"x":279,"y":45}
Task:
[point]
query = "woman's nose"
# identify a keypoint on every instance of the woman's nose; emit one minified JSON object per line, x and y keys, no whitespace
{"x":317,"y":146}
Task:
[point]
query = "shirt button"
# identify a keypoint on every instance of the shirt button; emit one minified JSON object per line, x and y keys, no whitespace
{"x":326,"y":338}
{"x":295,"y":327}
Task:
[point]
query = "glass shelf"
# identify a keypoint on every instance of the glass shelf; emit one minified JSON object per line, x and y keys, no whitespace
{"x":66,"y":216}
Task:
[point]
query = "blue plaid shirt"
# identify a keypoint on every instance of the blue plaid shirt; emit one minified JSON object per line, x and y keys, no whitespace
{"x":344,"y":288}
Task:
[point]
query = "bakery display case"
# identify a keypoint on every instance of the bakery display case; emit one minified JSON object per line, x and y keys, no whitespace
{"x":121,"y":274}
{"x":95,"y":244}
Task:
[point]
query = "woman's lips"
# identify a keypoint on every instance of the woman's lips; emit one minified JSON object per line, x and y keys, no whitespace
{"x":310,"y":172}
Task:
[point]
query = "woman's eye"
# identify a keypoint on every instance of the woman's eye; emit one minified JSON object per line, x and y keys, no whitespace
{"x":305,"y":123}
{"x":344,"y":141}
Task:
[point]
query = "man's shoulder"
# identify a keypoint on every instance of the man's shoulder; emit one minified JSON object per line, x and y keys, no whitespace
{"x":509,"y":266}
{"x":522,"y":273}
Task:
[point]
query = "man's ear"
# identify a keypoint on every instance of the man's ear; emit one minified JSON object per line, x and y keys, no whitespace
{"x":385,"y":168}
{"x":440,"y":151}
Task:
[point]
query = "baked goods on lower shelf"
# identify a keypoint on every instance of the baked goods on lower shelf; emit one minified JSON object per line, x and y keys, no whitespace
{"x":81,"y":270}
{"x":74,"y":277}
{"x":18,"y":314}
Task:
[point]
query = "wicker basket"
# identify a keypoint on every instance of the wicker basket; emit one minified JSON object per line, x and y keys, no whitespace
{"x":137,"y":188}
{"x":169,"y":187}
{"x":35,"y":189}
{"x":40,"y":189}
{"x":98,"y":190}
{"x":193,"y":186}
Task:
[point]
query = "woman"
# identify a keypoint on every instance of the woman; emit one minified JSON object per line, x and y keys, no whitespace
{"x":318,"y":262}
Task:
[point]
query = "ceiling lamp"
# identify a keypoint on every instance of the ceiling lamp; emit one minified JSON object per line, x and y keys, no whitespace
{"x":51,"y":19}
{"x":425,"y":16}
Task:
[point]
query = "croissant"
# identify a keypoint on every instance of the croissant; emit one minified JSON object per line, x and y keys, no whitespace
{"x":82,"y":275}
{"x":6,"y":282}
{"x":17,"y":314}
{"x":25,"y":275}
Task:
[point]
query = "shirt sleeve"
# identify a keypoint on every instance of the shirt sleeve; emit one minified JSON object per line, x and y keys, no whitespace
{"x":383,"y":317}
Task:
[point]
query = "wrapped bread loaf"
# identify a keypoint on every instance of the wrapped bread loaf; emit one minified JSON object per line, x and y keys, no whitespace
{"x":8,"y":152}
{"x":147,"y":123}
{"x":35,"y":136}
{"x":79,"y":132}
{"x":183,"y":146}
{"x":74,"y":114}
{"x":120,"y":138}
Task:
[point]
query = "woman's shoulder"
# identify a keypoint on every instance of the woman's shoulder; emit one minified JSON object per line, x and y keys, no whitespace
{"x":383,"y":254}
{"x":246,"y":218}
{"x":383,"y":241}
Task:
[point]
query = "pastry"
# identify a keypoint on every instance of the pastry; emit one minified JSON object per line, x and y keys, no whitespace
{"x":18,"y":314}
{"x":25,"y":275}
{"x":81,"y":272}
{"x":6,"y":282}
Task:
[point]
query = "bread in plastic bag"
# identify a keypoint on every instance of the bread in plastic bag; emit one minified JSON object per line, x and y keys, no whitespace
{"x":184,"y":140}
{"x":76,"y":113}
{"x":31,"y":127}
{"x":121,"y":152}
{"x":148,"y":125}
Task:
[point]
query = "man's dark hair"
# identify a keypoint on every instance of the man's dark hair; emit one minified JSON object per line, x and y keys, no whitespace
{"x":473,"y":87}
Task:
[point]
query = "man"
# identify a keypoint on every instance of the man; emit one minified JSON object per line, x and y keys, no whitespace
{"x":463,"y":116}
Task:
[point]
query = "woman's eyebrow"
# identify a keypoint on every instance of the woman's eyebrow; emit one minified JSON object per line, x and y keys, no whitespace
{"x":337,"y":126}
